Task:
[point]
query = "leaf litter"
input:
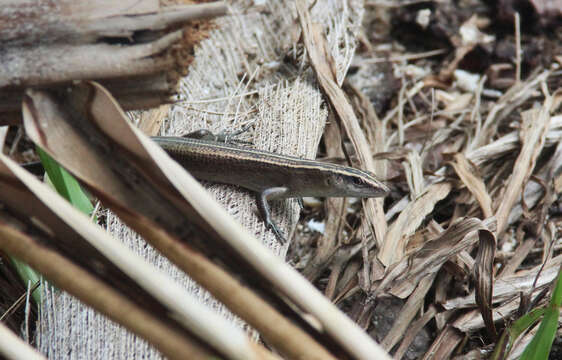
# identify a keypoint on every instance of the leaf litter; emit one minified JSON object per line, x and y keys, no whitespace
{"x":471,"y":231}
{"x":468,"y":138}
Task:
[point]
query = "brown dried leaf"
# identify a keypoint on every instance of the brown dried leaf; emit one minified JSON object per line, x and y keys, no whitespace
{"x":413,"y":169}
{"x":321,"y":61}
{"x":509,"y":287}
{"x":484,"y":275}
{"x":506,"y":104}
{"x":408,"y":221}
{"x":402,"y":278}
{"x":413,"y":330}
{"x":510,"y":142}
{"x":518,"y":257}
{"x":151,"y":120}
{"x":533,"y":135}
{"x":410,"y":309}
{"x":444,"y":344}
{"x":471,"y":178}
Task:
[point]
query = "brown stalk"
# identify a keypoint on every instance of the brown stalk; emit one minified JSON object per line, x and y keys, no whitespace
{"x":278,"y":330}
{"x":321,"y":62}
{"x":110,"y":262}
{"x":95,"y":293}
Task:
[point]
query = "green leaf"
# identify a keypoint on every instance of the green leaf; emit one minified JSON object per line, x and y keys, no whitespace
{"x":65,"y":184}
{"x":68,"y":187}
{"x":511,"y":333}
{"x":29,"y":276}
{"x":556,"y":300}
{"x":539,"y":347}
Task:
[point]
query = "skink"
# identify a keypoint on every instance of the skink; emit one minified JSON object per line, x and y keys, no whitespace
{"x":271,"y":176}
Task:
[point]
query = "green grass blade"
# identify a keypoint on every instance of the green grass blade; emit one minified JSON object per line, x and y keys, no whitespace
{"x":68,"y":187}
{"x":556,"y":300}
{"x":29,"y":276}
{"x":539,"y":347}
{"x":65,"y":184}
{"x":513,"y":332}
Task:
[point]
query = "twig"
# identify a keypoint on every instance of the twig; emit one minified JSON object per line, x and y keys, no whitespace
{"x":517,"y":49}
{"x":18,"y":302}
{"x":402,"y":58}
{"x":207,"y":101}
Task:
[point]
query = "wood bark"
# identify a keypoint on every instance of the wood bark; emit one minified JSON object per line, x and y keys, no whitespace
{"x":137,"y":49}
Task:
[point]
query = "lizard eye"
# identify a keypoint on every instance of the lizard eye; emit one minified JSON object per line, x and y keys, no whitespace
{"x":357,"y":181}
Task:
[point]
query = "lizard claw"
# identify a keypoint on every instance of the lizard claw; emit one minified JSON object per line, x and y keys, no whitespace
{"x":301,"y":205}
{"x":271,"y":225}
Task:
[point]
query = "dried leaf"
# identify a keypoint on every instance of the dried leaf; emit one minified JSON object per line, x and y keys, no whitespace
{"x":484,"y":275}
{"x":509,"y":287}
{"x":403,"y":277}
{"x":151,"y":120}
{"x":412,"y":307}
{"x":409,"y":220}
{"x":103,"y":280}
{"x":321,"y":61}
{"x":533,"y":134}
{"x":473,"y":182}
{"x":444,"y":345}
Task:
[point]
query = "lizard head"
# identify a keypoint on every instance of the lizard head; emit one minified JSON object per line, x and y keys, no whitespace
{"x":350,"y":182}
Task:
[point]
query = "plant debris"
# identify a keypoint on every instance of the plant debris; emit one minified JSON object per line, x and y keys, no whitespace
{"x":464,"y":125}
{"x":471,"y":147}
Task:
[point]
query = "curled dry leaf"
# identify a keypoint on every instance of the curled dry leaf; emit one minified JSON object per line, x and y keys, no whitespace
{"x":403,"y":277}
{"x":509,"y":287}
{"x":484,"y":276}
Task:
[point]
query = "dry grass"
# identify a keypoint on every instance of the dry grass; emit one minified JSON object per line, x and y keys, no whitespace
{"x":467,"y":242}
{"x":469,"y":235}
